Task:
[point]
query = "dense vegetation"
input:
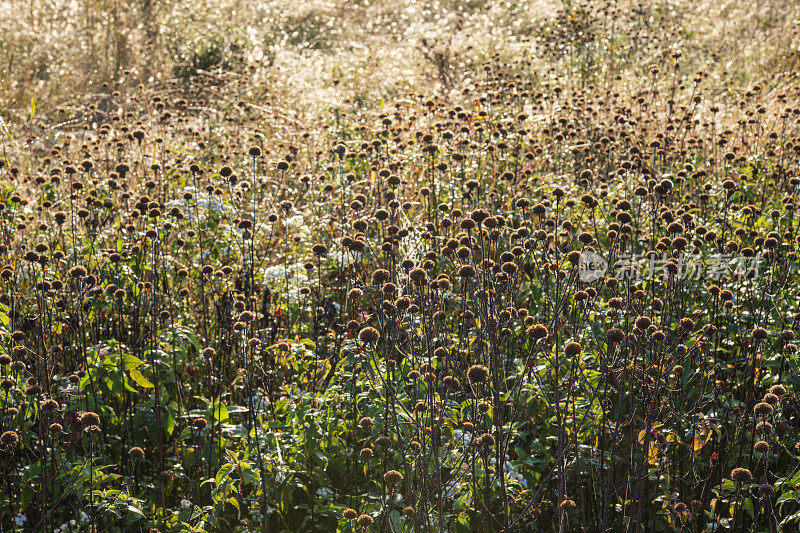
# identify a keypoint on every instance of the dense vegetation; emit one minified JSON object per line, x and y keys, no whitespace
{"x":550,"y":285}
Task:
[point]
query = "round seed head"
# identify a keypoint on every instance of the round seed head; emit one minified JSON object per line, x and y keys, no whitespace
{"x":392,"y":477}
{"x":478,"y":374}
{"x":741,"y":475}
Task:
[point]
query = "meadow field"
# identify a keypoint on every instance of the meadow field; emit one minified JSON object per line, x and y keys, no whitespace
{"x":399,"y":266}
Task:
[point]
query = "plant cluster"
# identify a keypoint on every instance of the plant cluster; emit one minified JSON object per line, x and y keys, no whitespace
{"x":552,"y":299}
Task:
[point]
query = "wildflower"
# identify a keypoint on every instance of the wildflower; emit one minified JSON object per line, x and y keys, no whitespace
{"x":324,"y":493}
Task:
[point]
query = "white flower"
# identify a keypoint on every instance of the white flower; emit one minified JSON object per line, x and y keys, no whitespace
{"x":20,"y":519}
{"x":84,"y":517}
{"x":324,"y":493}
{"x":294,"y":222}
{"x":186,"y":504}
{"x":274,"y":272}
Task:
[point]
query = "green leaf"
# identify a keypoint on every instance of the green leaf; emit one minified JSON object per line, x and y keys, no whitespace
{"x":748,"y":506}
{"x":250,"y":474}
{"x":221,"y":412}
{"x":790,"y":519}
{"x":787,"y":496}
{"x":169,"y":423}
{"x":233,"y":501}
{"x":223,"y":473}
{"x":130,"y":362}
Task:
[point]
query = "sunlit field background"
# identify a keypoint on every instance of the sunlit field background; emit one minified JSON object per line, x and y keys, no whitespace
{"x":456,"y":266}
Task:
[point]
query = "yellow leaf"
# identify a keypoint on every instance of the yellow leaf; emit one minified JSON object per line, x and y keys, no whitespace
{"x":139,"y":378}
{"x":642,"y":434}
{"x":652,"y":453}
{"x":701,"y":438}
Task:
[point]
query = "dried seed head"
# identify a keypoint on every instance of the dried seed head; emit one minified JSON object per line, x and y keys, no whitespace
{"x":393,"y":477}
{"x":778,"y":390}
{"x":9,"y":439}
{"x":763,"y":428}
{"x":89,"y":419}
{"x":615,"y":335}
{"x":369,"y":335}
{"x":572,"y":349}
{"x":49,"y":405}
{"x":478,"y":374}
{"x":136,"y":453}
{"x":762,"y":409}
{"x":771,"y":399}
{"x":537,"y":331}
{"x":741,"y":475}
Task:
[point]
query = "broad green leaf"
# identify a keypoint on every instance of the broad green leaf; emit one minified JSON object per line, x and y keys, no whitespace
{"x":129,"y":362}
